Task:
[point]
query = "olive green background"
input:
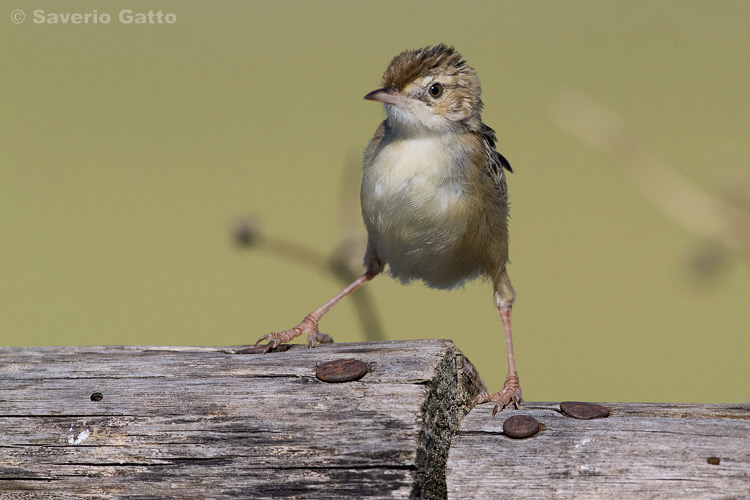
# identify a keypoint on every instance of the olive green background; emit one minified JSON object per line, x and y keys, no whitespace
{"x":129,"y":151}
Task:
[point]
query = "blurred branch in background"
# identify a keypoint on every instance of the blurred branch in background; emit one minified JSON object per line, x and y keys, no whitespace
{"x":344,"y":264}
{"x":724,"y":221}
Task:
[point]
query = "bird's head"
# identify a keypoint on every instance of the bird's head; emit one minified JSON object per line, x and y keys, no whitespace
{"x":430,"y":90}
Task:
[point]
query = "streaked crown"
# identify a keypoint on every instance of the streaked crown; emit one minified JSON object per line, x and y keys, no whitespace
{"x":441,"y":88}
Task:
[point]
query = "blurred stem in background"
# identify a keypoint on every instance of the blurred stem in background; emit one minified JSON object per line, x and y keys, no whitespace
{"x":344,"y":264}
{"x":723,"y":221}
{"x":340,"y":265}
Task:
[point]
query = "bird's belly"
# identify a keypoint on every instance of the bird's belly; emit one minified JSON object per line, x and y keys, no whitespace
{"x":417,"y":245}
{"x":417,"y":216}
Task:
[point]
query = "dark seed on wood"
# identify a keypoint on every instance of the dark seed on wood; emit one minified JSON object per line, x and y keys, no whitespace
{"x":520,"y":426}
{"x":341,"y":370}
{"x":583,"y":411}
{"x":97,"y":396}
{"x":714,"y":460}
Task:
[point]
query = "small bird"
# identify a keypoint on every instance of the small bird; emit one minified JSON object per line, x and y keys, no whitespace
{"x":434,"y":194}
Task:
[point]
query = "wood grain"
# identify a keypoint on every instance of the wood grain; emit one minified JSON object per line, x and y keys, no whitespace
{"x":203,"y":422}
{"x":640,"y":451}
{"x":185,"y":422}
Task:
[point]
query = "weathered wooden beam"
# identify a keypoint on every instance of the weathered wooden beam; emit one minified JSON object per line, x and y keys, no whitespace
{"x":201,"y":422}
{"x":189,"y":422}
{"x":640,"y":451}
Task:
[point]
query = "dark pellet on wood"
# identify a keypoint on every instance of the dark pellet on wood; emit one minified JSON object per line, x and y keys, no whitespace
{"x":520,"y":426}
{"x":583,"y":411}
{"x":261,"y":349}
{"x":714,"y":460}
{"x":341,"y":370}
{"x":97,"y":396}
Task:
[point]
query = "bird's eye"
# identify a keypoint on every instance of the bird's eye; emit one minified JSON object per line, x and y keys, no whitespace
{"x":435,"y":90}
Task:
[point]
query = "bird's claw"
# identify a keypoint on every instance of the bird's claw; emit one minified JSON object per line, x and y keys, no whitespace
{"x":275,"y":339}
{"x":319,"y":338}
{"x":308,"y":325}
{"x":511,"y":393}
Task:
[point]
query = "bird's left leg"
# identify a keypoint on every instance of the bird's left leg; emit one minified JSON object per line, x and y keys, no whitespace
{"x":504,"y":298}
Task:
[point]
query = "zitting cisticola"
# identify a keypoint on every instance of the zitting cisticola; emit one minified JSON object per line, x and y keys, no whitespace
{"x":434,"y":195}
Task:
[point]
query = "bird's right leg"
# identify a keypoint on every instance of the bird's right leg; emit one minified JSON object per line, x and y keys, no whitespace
{"x":309,"y":325}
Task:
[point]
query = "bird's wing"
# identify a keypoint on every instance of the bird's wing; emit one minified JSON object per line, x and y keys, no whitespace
{"x":496,"y":160}
{"x":372,"y":147}
{"x":494,"y":168}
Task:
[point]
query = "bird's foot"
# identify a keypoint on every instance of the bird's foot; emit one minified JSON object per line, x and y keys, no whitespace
{"x":511,"y":392}
{"x":308,"y":326}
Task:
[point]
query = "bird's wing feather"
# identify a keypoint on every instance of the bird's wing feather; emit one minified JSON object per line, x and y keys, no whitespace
{"x":372,"y":146}
{"x":497,"y":160}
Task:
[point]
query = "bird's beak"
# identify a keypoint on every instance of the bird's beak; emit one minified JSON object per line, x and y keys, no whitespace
{"x":387,"y":96}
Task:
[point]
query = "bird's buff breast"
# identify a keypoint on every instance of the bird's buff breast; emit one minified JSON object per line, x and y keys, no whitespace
{"x":416,"y":208}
